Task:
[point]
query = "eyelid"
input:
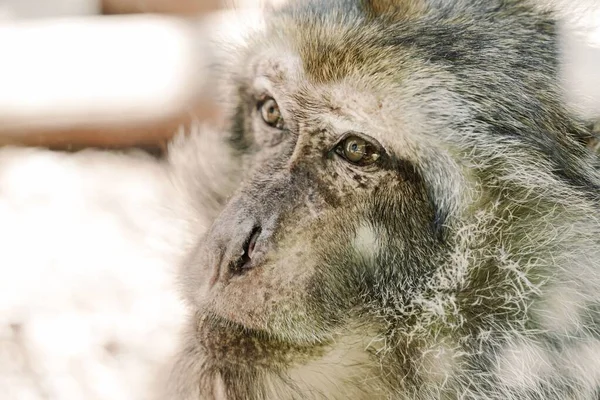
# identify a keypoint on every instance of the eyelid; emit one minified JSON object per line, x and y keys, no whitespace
{"x":261,"y":99}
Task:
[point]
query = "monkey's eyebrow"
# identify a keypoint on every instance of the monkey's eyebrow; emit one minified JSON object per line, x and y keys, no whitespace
{"x":278,"y":68}
{"x":268,"y":78}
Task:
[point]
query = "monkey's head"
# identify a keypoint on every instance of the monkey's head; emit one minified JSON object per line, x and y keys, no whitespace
{"x":385,"y":147}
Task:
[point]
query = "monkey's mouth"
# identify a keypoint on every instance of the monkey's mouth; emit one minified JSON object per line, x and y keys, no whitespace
{"x":248,"y":259}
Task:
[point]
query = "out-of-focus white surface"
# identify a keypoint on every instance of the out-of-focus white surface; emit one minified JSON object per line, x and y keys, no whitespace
{"x":580,"y":63}
{"x":79,"y":71}
{"x":88,"y":306}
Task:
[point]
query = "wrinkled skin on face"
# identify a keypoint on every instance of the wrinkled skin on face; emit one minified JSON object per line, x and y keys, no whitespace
{"x":407,"y":178}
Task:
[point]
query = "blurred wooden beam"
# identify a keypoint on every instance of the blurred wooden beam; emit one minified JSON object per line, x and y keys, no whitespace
{"x":146,"y":134}
{"x":187,"y":7}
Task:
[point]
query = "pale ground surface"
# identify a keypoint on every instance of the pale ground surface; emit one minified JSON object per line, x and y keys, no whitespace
{"x":87,"y":298}
{"x":89,"y":244}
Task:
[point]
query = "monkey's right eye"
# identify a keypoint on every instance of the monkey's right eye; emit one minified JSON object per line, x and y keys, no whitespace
{"x":270,"y":113}
{"x":358,"y":150}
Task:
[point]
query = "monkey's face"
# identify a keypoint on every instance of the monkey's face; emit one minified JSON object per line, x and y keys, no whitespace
{"x":329,"y":213}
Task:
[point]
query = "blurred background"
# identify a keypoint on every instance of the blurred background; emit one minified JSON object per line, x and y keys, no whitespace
{"x":78,"y":73}
{"x":89,"y":240}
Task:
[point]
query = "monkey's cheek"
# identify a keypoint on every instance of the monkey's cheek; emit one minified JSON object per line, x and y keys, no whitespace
{"x":200,"y":275}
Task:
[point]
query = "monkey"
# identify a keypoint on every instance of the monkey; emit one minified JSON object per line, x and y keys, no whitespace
{"x":401,"y":207}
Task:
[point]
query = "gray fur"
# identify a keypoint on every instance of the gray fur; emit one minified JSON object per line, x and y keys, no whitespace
{"x":463,"y":265}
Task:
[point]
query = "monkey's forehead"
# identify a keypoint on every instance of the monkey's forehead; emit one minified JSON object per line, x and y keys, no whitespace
{"x":331,"y":51}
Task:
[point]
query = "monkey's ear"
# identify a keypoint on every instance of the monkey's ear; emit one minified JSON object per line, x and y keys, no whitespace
{"x":396,"y":10}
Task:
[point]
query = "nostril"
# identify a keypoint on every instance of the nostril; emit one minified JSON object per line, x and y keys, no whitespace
{"x":249,"y":250}
{"x":245,"y":261}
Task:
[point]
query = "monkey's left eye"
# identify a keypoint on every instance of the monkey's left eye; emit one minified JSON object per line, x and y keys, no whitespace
{"x":357,"y":150}
{"x":270,"y":113}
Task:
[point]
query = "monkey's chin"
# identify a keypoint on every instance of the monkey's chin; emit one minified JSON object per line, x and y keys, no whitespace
{"x":227,"y":344}
{"x":248,"y":307}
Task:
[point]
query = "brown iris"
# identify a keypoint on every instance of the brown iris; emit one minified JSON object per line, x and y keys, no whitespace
{"x":357,"y":150}
{"x":270,"y":113}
